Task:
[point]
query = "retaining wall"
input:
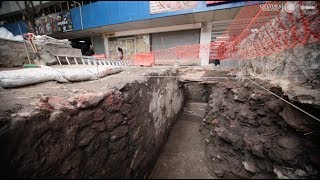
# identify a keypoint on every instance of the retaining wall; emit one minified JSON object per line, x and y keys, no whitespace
{"x":112,"y":134}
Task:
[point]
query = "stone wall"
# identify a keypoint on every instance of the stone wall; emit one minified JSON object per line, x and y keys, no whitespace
{"x":250,"y":133}
{"x":113,"y":134}
{"x":295,"y":70}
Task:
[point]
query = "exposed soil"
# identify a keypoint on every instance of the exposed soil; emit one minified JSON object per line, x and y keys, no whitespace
{"x":246,"y":132}
{"x":15,"y":98}
{"x":251,"y":134}
{"x":102,"y":133}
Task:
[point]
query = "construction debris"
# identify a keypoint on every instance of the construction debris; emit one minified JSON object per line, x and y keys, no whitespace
{"x":47,"y":40}
{"x":48,"y":58}
{"x":13,"y":53}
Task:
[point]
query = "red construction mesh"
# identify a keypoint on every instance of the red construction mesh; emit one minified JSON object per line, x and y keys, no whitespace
{"x":264,"y":31}
{"x":255,"y":31}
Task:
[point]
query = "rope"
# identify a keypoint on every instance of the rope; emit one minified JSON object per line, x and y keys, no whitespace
{"x":202,"y":77}
{"x":221,"y":77}
{"x":284,"y":100}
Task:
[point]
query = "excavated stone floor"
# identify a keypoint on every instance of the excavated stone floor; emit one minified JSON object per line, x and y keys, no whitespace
{"x":183,"y":155}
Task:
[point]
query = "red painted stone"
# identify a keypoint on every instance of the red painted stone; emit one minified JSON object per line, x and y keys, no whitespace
{"x":113,"y":101}
{"x":215,"y":122}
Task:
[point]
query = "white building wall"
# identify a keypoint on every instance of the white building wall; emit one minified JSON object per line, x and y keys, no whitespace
{"x":205,"y":40}
{"x":106,"y":46}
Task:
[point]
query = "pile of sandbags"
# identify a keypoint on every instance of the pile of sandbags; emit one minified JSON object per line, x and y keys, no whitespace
{"x":22,"y":77}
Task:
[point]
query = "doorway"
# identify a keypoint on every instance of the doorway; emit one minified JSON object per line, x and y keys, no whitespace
{"x":127,"y":44}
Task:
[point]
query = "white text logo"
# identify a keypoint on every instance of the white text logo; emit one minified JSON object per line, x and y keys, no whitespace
{"x":289,"y":7}
{"x":307,"y":7}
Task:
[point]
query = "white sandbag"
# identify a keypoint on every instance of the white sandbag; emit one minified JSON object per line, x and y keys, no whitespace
{"x":22,"y":77}
{"x":107,"y":71}
{"x":102,"y":71}
{"x":77,"y":74}
{"x":90,"y":73}
{"x":55,"y":74}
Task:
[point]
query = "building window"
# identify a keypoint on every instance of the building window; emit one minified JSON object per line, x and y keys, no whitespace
{"x":57,"y":7}
{"x":51,"y":9}
{"x":64,"y":6}
{"x":46,"y":11}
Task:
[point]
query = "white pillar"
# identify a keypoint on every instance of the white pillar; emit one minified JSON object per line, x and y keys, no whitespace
{"x":106,"y":46}
{"x":205,"y":40}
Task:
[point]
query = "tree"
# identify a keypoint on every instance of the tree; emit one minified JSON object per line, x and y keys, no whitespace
{"x":30,"y":13}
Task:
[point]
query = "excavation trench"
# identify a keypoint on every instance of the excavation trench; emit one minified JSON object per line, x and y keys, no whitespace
{"x":235,"y":130}
{"x":249,"y":133}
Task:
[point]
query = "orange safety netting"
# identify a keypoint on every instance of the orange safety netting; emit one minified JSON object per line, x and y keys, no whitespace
{"x":257,"y":30}
{"x":144,"y":59}
{"x":260,"y":30}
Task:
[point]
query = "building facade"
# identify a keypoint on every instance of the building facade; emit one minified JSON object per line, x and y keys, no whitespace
{"x":137,"y":26}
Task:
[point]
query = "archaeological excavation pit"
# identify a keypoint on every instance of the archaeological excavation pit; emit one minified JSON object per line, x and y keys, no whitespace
{"x":157,"y":123}
{"x":100,"y":114}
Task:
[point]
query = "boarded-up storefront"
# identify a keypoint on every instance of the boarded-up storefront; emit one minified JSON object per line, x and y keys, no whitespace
{"x":176,"y":46}
{"x":129,"y":44}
